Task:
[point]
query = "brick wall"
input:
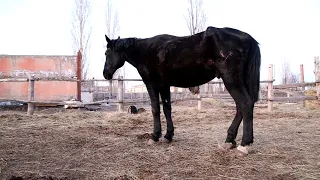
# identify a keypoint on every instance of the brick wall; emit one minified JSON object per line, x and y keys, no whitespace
{"x":39,"y":66}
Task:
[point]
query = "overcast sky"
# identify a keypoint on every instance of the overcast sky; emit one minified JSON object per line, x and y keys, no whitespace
{"x":286,"y":29}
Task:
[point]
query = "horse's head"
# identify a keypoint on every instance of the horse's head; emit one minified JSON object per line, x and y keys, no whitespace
{"x":115,"y":57}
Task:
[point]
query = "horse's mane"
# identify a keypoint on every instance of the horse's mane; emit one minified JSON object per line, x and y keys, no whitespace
{"x":120,"y":44}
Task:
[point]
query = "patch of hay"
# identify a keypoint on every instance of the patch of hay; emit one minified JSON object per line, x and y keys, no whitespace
{"x":311,"y":104}
{"x":104,"y":145}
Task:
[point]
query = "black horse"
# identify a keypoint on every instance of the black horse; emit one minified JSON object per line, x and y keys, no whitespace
{"x":189,"y":61}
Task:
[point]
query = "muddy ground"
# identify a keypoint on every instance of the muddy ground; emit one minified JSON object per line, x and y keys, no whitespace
{"x":77,"y":144}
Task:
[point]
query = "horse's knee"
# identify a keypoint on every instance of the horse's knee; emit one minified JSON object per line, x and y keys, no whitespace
{"x":155,"y":111}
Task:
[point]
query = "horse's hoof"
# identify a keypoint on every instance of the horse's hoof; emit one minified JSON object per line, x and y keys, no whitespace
{"x":241,"y":151}
{"x":165,"y":140}
{"x":151,"y":142}
{"x":227,"y":146}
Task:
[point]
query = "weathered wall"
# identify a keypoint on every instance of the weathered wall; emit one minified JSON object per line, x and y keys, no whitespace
{"x":39,"y":67}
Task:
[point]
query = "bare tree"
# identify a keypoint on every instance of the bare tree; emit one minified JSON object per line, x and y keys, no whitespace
{"x":112,"y":29}
{"x":112,"y":25}
{"x":196,"y":18}
{"x":196,"y":22}
{"x":112,"y":21}
{"x":287,"y":76}
{"x":81,"y":31}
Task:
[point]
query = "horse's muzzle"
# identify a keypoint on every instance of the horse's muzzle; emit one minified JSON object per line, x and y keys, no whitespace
{"x":107,"y":76}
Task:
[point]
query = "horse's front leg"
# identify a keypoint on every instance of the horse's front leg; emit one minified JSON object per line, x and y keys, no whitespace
{"x":166,"y":101}
{"x":153,"y":91}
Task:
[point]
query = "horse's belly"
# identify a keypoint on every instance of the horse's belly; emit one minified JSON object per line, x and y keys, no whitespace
{"x":190,"y":78}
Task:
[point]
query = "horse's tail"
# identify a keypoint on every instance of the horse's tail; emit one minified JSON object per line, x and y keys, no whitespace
{"x":252,"y":70}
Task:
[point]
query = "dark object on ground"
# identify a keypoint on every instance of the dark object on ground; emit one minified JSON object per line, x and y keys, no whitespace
{"x":92,"y":108}
{"x":134,"y":110}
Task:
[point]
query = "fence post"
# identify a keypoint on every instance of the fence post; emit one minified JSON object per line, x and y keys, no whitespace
{"x":220,"y":86}
{"x":79,"y":73}
{"x":110,"y":88}
{"x":302,"y":76}
{"x":270,"y":88}
{"x":120,"y":94}
{"x":30,"y":110}
{"x":317,"y":75}
{"x":199,"y":102}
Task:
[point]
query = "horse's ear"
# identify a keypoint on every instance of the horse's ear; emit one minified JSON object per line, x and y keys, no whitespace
{"x":108,"y":40}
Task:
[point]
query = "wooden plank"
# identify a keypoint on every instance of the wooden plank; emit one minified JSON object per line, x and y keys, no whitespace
{"x":220,"y":96}
{"x":46,"y":104}
{"x":55,"y":79}
{"x":37,"y":79}
{"x":14,"y":80}
{"x":292,"y":93}
{"x":300,"y":98}
{"x":104,"y":80}
{"x":210,"y":82}
{"x":294,"y":85}
{"x":125,"y":101}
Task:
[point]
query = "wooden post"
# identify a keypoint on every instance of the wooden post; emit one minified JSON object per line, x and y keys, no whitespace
{"x":302,"y":76}
{"x":79,"y":72}
{"x":120,"y":94}
{"x":110,"y":88}
{"x":270,"y":88}
{"x":199,"y":102}
{"x":220,"y":86}
{"x":317,"y":75}
{"x":30,"y":110}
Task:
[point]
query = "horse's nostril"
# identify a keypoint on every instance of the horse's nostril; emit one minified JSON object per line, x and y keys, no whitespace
{"x":105,"y":75}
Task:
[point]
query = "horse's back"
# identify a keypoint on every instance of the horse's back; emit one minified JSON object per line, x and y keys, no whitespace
{"x":230,"y":34}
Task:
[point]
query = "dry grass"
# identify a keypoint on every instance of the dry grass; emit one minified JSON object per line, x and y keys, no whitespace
{"x":312,"y":104}
{"x":98,"y":145}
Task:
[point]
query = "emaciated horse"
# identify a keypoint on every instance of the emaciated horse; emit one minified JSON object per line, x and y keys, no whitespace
{"x":189,"y":61}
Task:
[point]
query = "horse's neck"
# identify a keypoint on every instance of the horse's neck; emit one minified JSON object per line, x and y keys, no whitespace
{"x":131,"y":58}
{"x":134,"y":55}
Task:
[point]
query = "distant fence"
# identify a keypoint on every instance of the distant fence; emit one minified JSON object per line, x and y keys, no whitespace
{"x":31,"y":90}
{"x":291,"y":94}
{"x":120,"y":99}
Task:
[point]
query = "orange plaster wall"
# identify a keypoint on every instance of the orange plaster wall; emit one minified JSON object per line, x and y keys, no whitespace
{"x":39,"y":66}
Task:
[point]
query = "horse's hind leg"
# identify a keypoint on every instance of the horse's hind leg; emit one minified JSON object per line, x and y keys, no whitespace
{"x":233,"y":130}
{"x":245,"y":103}
{"x":166,"y":101}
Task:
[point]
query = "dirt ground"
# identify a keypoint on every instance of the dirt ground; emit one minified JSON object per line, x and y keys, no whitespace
{"x":75,"y":144}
